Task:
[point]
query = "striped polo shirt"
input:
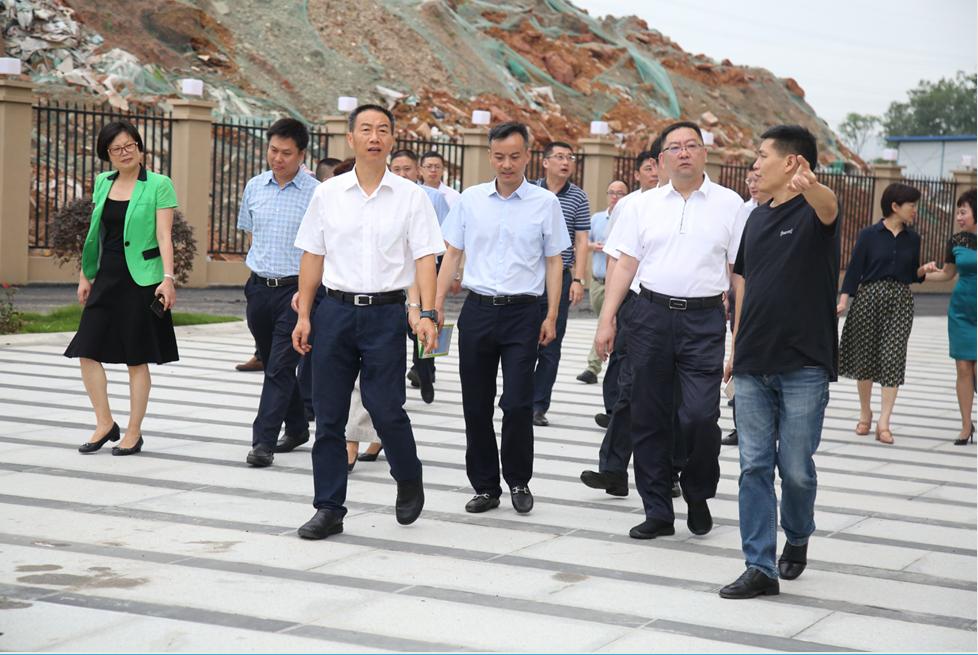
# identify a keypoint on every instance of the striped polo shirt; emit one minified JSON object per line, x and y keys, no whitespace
{"x":577,"y":214}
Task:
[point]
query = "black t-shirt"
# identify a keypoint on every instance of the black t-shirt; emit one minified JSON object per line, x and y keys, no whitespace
{"x":790,"y":263}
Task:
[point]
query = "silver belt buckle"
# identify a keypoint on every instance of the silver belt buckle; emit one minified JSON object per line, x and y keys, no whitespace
{"x":271,"y":282}
{"x":677,"y":303}
{"x":499,"y":301}
{"x":362,"y":300}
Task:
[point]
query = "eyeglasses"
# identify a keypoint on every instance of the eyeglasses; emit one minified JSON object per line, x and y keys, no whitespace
{"x":433,"y":167}
{"x":619,"y":194}
{"x":563,"y":157}
{"x":691,"y":148}
{"x":124,"y":149}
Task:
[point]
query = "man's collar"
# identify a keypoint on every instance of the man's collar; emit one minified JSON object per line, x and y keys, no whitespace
{"x":704,"y":187}
{"x":300,"y":180}
{"x":542,"y":182}
{"x":520,"y":192}
{"x":350,"y":180}
{"x":141,"y":177}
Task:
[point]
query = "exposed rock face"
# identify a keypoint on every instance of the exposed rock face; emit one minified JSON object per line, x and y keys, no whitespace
{"x":542,"y":61}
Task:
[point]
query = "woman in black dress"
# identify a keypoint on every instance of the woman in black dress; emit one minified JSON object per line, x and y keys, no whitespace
{"x":126,"y":284}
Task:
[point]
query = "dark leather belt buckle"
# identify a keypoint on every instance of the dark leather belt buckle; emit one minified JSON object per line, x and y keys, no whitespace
{"x":678,"y":304}
{"x":362,"y":300}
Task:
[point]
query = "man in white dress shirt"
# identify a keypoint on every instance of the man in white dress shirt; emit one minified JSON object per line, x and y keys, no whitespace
{"x":367,"y":235}
{"x":432,"y":170}
{"x":678,"y":241}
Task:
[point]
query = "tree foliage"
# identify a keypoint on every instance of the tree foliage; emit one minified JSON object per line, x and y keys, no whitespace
{"x":944,"y":107}
{"x":857,"y":129}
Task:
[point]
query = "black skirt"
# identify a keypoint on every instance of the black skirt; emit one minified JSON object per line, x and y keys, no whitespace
{"x":117,"y":325}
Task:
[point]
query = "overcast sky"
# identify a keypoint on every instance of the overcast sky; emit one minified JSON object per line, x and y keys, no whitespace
{"x":848,"y":55}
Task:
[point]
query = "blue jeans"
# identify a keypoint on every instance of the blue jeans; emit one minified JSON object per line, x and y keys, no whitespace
{"x":779,"y":421}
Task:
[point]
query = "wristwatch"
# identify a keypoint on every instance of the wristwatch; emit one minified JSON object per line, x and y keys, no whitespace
{"x":580,"y":281}
{"x":430,"y":314}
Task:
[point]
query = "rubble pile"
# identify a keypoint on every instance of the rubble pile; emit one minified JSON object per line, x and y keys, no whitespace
{"x":544,"y":62}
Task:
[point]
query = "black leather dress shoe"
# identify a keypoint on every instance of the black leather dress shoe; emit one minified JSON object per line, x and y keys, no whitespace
{"x":652,"y":528}
{"x":540,"y":419}
{"x":731,"y":439}
{"x":323,"y":524}
{"x":481,"y":503}
{"x":122,"y":452}
{"x":413,"y":378}
{"x":290,"y":442}
{"x":428,"y":393}
{"x":615,"y":484}
{"x":677,"y":490}
{"x":698,"y":517}
{"x":603,"y":420}
{"x":588,"y":377}
{"x":410,"y":501}
{"x":260,"y":457}
{"x":92,"y":446}
{"x":750,"y":584}
{"x":793,"y":561}
{"x":522,"y":499}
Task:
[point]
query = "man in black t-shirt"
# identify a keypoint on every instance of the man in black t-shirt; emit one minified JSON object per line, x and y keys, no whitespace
{"x":784,"y":356}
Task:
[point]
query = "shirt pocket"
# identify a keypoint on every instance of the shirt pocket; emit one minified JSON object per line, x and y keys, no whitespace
{"x":524,"y":237}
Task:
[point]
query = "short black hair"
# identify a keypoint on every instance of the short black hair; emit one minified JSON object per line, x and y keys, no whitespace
{"x":794,"y":140}
{"x":643,"y":157}
{"x":432,"y":154}
{"x":344,"y":166}
{"x":404,"y":152}
{"x":110,"y":131}
{"x":290,"y":128}
{"x":672,"y":127}
{"x":897,"y":193}
{"x":328,"y":161}
{"x":369,"y":107}
{"x":549,"y":148}
{"x":656,"y":148}
{"x":970,"y":198}
{"x":508,"y":129}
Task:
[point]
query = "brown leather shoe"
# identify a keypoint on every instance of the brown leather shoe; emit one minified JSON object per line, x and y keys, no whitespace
{"x":253,"y":364}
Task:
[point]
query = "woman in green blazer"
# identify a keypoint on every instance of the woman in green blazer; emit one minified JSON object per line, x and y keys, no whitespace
{"x":126,"y":284}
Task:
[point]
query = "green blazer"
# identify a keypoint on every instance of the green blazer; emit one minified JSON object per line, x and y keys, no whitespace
{"x":152,"y":192}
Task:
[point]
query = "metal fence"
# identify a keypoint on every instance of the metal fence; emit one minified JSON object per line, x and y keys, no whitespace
{"x":237,"y":155}
{"x":534,"y":171}
{"x":64,"y":160}
{"x":625,"y":170}
{"x":935,"y":210}
{"x":453,"y":153}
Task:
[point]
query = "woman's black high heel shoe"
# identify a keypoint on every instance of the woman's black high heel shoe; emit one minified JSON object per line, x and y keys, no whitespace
{"x":964,"y":441}
{"x":92,"y":446}
{"x":369,"y":457}
{"x":129,"y":451}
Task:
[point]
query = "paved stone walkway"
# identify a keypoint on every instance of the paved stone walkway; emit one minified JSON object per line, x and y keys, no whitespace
{"x":185,"y":548}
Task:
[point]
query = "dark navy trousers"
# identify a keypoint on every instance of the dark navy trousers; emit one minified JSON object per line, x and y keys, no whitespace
{"x":369,"y":342}
{"x":667,"y":348}
{"x":548,"y":357}
{"x":271,"y":321}
{"x":490,"y":335}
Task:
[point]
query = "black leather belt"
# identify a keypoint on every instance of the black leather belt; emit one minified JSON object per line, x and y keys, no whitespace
{"x":681,"y":304}
{"x":499,"y":301}
{"x":367,"y":299}
{"x":273,"y":282}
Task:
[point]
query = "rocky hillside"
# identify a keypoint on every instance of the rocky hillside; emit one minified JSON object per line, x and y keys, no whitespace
{"x":433,"y":61}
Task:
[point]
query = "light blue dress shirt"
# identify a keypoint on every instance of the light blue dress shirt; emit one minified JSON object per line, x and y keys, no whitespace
{"x":438,"y":201}
{"x":599,"y":233}
{"x":273,"y":216}
{"x":506,"y":240}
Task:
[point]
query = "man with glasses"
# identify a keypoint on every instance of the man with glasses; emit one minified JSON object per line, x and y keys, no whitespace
{"x":599,"y":232}
{"x":679,"y":242}
{"x":559,"y":164}
{"x":432,"y":170}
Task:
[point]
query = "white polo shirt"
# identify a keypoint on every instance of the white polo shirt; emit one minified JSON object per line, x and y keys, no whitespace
{"x":369,"y":241}
{"x":611,"y":244}
{"x":683,"y":246}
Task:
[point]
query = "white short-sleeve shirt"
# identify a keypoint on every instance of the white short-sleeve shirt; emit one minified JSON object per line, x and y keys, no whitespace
{"x":683,"y":245}
{"x":369,"y":241}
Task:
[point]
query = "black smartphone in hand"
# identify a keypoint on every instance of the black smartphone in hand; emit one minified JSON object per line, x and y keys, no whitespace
{"x":157,"y":306}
